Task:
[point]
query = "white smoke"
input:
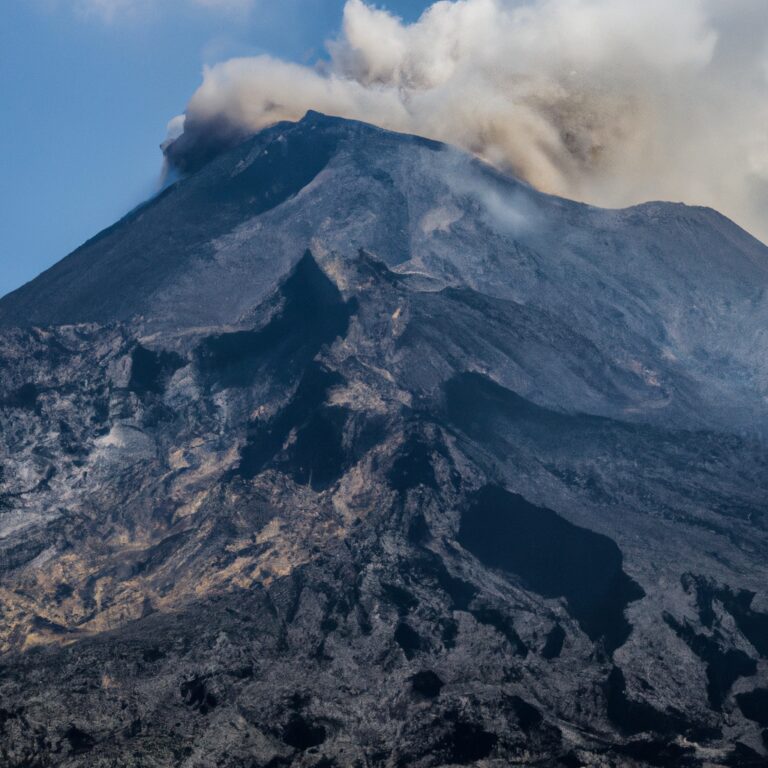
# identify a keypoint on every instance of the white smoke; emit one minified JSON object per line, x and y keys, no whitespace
{"x":609,"y":101}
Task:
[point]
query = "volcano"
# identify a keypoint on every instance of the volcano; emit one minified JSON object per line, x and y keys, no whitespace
{"x":347,"y":449}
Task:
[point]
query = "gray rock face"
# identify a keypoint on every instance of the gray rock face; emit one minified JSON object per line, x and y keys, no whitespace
{"x":348,"y":451}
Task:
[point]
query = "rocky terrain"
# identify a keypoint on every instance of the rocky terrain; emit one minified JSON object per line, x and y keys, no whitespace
{"x":347,"y":450}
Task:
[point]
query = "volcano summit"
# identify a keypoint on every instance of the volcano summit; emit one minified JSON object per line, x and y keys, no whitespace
{"x":348,"y":450}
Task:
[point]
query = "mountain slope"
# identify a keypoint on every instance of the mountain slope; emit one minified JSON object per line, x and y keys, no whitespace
{"x":347,"y":450}
{"x":674,"y":296}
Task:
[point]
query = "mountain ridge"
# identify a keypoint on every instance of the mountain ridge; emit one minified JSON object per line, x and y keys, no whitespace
{"x":180,"y":268}
{"x":311,"y":122}
{"x":403,"y":465}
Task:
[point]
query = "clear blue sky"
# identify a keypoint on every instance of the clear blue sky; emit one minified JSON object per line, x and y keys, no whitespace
{"x":84,"y":104}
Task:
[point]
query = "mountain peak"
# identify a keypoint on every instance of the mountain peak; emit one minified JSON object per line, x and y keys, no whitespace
{"x":211,"y":248}
{"x":348,"y":449}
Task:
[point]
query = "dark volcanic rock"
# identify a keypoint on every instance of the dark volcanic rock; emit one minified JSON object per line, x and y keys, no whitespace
{"x":754,"y":705}
{"x":724,"y":666}
{"x":553,"y":558}
{"x":427,"y":684}
{"x":346,"y":450}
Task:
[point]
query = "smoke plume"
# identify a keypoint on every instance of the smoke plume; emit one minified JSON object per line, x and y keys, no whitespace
{"x":608,"y":101}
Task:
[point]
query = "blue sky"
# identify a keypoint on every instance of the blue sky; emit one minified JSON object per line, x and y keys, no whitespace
{"x":85,"y":102}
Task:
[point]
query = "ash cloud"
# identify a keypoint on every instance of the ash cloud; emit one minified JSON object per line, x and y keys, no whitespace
{"x":609,"y":101}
